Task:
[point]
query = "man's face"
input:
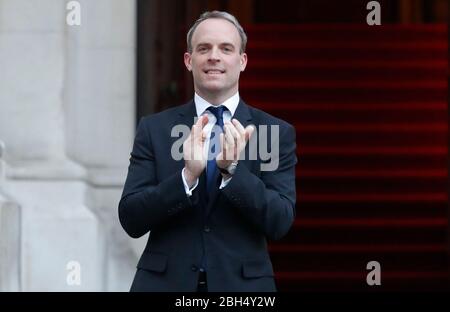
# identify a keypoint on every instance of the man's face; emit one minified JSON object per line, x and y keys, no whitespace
{"x":215,"y":61}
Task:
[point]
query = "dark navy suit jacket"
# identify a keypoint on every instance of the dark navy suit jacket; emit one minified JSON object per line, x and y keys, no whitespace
{"x":231,"y":229}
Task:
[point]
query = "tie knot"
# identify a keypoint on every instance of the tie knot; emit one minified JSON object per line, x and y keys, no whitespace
{"x":217,"y":111}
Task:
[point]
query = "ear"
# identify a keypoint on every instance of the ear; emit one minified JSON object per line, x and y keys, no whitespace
{"x":243,"y":61}
{"x":188,"y":61}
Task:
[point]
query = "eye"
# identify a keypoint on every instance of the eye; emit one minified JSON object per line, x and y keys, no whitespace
{"x":202,"y":49}
{"x":227,"y":49}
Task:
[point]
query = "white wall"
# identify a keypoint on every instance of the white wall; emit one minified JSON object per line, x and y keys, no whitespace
{"x":67,"y":112}
{"x":9,"y":238}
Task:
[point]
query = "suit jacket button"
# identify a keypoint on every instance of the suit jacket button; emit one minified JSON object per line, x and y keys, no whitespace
{"x":194,"y":268}
{"x":207,"y":229}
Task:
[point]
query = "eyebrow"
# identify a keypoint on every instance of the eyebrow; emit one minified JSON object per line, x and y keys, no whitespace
{"x":209,"y":44}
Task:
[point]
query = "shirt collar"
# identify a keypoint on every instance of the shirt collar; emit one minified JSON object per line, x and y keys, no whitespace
{"x":201,"y":104}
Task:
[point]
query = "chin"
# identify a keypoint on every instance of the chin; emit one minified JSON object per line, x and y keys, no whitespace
{"x":213,"y":87}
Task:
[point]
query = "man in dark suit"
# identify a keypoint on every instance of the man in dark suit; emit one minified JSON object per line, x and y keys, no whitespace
{"x":210,"y":209}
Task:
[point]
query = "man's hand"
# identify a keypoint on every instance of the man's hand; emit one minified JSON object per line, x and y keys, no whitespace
{"x":193,"y":153}
{"x":233,"y":142}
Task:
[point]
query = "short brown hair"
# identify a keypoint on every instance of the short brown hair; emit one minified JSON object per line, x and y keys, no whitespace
{"x":217,"y":14}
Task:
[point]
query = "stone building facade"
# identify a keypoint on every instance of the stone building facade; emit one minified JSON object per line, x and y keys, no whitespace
{"x":67,"y":121}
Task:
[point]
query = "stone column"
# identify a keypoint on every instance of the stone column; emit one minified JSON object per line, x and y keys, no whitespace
{"x":9,"y":238}
{"x":100,"y":97}
{"x":56,"y":226}
{"x":67,"y":110}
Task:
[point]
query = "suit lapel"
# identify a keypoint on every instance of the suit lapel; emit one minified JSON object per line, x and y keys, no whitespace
{"x":186,"y":115}
{"x":244,"y":116}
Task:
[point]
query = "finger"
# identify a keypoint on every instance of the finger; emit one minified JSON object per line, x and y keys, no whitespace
{"x":242,"y":141}
{"x":239,"y":141}
{"x":194,"y":128}
{"x":249,"y":130}
{"x":199,"y":121}
{"x":222,"y":153}
{"x":234,"y":132}
{"x":221,"y":138}
{"x":193,"y":133}
{"x":197,"y":128}
{"x":229,"y":137}
{"x":230,"y":144}
{"x":204,"y":135}
{"x":204,"y":121}
{"x":238,"y":127}
{"x":196,"y":133}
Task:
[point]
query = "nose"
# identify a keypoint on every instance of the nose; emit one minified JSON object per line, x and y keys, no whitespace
{"x":214,"y":55}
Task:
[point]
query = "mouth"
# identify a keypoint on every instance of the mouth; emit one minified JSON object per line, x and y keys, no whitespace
{"x":214,"y":71}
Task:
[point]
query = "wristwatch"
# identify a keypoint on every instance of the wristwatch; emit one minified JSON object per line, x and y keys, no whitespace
{"x":230,"y":169}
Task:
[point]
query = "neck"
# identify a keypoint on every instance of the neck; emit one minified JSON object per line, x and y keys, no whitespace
{"x":216,"y":98}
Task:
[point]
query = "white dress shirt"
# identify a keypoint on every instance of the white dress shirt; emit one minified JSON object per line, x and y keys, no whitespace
{"x":201,"y":107}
